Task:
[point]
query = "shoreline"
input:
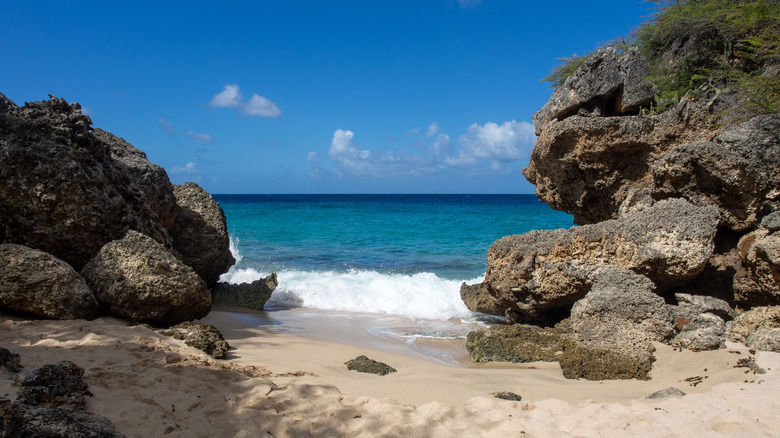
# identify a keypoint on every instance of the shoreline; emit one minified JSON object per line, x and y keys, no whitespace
{"x":290,"y":385}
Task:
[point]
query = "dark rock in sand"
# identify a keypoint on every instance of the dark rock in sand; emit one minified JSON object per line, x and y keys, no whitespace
{"x":506,"y":395}
{"x":29,"y":421}
{"x":40,"y":284}
{"x":10,"y":361}
{"x":204,"y":337}
{"x":200,"y":233}
{"x":668,"y":392}
{"x":543,"y":271}
{"x":593,"y":363}
{"x":514,"y":343}
{"x":365,"y":365}
{"x":249,"y":295}
{"x":58,"y":385}
{"x":138,"y":279}
{"x":63,"y":191}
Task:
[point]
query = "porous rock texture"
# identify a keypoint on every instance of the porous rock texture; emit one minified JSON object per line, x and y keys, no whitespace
{"x":204,"y":337}
{"x":137,"y":279}
{"x":200,"y":233}
{"x":249,"y":295}
{"x":758,"y":328}
{"x":543,"y":271}
{"x":37,"y":283}
{"x":68,"y":189}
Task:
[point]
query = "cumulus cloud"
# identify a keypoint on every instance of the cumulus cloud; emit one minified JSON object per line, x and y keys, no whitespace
{"x":230,"y":96}
{"x":510,"y":141}
{"x":188,"y":168}
{"x":257,"y":105}
{"x":260,"y":106}
{"x":167,"y":126}
{"x":432,"y":130}
{"x":197,"y":137}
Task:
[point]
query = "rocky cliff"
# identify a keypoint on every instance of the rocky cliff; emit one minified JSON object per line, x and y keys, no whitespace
{"x":674,"y":207}
{"x":74,"y":198}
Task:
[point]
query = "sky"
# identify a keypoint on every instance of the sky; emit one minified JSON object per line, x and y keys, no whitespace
{"x":372,"y":96}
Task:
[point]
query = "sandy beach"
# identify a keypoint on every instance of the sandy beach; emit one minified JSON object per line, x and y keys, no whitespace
{"x":277,"y":382}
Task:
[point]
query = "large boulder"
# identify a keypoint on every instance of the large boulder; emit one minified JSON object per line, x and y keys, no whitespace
{"x":40,"y":284}
{"x":542,"y":272}
{"x":248,"y":295}
{"x":200,"y":233}
{"x":758,"y":328}
{"x":514,"y":343}
{"x":759,"y":283}
{"x":138,"y":279}
{"x":63,"y":191}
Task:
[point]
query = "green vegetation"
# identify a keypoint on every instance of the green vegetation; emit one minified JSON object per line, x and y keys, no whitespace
{"x":726,"y":45}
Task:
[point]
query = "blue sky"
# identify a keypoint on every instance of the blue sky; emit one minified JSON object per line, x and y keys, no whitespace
{"x":424,"y":96}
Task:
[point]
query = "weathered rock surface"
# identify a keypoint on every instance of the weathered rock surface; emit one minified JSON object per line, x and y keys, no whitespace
{"x":605,"y":85}
{"x":138,"y":279}
{"x":478,"y":299}
{"x":758,"y":328}
{"x":759,"y":284}
{"x":249,"y":295}
{"x":541,"y":271}
{"x":29,"y":421}
{"x":62,"y":190}
{"x":58,"y":385}
{"x":514,"y":343}
{"x":38,"y":283}
{"x":668,"y":392}
{"x":703,"y":332}
{"x":363,"y":364}
{"x":200,"y":233}
{"x":10,"y":361}
{"x":204,"y":337}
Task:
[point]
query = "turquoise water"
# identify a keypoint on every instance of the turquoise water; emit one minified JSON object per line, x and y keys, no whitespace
{"x":401,"y":255}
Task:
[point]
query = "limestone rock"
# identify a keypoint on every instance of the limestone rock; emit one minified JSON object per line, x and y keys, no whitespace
{"x":541,"y":271}
{"x":137,"y":279}
{"x":38,"y":283}
{"x":10,"y":361}
{"x":703,"y":332}
{"x":6,"y":104}
{"x":204,"y":337}
{"x":249,"y":295}
{"x":760,"y":254}
{"x":771,"y":221}
{"x":58,"y":385}
{"x":514,"y":343}
{"x":757,"y":328}
{"x":365,"y":365}
{"x":507,"y":395}
{"x":478,"y":299}
{"x":668,"y":392}
{"x":605,"y":85}
{"x":29,"y":421}
{"x":200,"y":233}
{"x":63,"y":192}
{"x":593,"y":363}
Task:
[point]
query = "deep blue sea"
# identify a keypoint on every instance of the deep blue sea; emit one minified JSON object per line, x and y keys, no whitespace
{"x":404,"y":255}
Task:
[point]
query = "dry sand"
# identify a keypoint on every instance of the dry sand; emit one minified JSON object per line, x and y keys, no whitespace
{"x":279,"y":383}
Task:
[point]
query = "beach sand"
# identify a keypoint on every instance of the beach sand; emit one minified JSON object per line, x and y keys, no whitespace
{"x":278,"y":382}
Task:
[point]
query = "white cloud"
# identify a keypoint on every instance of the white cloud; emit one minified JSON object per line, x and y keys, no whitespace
{"x":188,"y":168}
{"x":432,"y":130}
{"x":230,"y":96}
{"x":197,"y":137}
{"x":510,"y":141}
{"x":167,"y":126}
{"x":312,"y":157}
{"x":412,"y":131}
{"x":442,"y":144}
{"x":257,"y":105}
{"x":260,"y":106}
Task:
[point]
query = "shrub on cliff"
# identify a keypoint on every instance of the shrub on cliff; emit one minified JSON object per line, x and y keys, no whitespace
{"x":730,"y":45}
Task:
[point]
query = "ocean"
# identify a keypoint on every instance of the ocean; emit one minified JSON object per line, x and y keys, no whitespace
{"x":396,"y":256}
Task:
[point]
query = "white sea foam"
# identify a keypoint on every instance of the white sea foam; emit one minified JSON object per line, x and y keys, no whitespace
{"x":234,"y":250}
{"x":423,"y":295}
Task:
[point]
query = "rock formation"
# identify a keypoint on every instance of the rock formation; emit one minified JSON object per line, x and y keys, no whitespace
{"x":248,"y":295}
{"x":200,"y":233}
{"x":204,"y":337}
{"x":39,"y":284}
{"x":71,"y":192}
{"x":137,"y":279}
{"x":679,"y":222}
